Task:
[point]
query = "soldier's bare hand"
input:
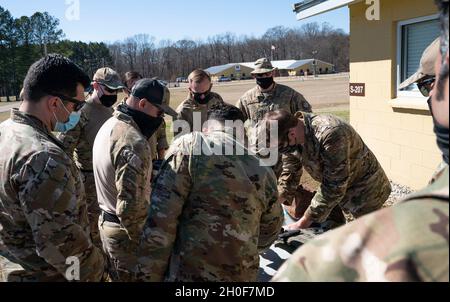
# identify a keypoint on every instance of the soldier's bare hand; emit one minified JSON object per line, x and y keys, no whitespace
{"x":302,"y":224}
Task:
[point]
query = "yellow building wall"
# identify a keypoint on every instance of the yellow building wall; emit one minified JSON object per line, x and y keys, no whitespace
{"x":402,"y":139}
{"x":232,"y":71}
{"x":320,"y":64}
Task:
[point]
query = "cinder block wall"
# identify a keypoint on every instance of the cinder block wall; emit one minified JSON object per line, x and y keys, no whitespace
{"x":402,"y":139}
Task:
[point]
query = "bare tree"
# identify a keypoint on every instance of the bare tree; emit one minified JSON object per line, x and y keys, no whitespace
{"x":170,"y":60}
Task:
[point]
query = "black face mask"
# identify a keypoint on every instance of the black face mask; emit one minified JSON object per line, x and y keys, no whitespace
{"x":108,"y":100}
{"x":442,"y":135}
{"x":265,"y":83}
{"x":198,"y":97}
{"x":146,"y":123}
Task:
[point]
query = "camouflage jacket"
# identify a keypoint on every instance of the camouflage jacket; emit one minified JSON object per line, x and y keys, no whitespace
{"x":122,"y":170}
{"x":350,"y":175}
{"x":187,"y":109}
{"x":210,"y":216}
{"x":80,"y":140}
{"x":43,"y":212}
{"x":255,"y":105}
{"x":158,"y":141}
{"x":407,"y":242}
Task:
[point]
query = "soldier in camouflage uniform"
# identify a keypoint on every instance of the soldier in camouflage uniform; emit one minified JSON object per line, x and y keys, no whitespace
{"x":407,"y":242}
{"x":210,"y":215}
{"x":199,"y":101}
{"x":158,"y":142}
{"x":43,"y":211}
{"x":79,"y":141}
{"x":335,"y":155}
{"x":266,"y":97}
{"x":425,"y":79}
{"x":122,"y":170}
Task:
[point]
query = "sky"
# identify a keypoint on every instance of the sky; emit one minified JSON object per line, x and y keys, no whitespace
{"x":114,"y":20}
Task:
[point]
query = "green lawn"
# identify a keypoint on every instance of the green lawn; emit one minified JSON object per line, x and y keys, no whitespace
{"x":345,"y":114}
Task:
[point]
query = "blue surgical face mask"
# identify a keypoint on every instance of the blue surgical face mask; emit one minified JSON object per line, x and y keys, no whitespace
{"x":74,"y":119}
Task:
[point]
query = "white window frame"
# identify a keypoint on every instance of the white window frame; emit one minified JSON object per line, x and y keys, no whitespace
{"x":408,"y":94}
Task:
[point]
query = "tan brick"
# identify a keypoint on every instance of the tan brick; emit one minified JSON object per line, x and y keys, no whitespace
{"x":374,"y":131}
{"x":385,"y":162}
{"x":399,"y":178}
{"x":420,"y":176}
{"x":402,"y":137}
{"x":425,"y":142}
{"x":411,"y":122}
{"x":431,"y":160}
{"x":401,"y":166}
{"x":384,"y":148}
{"x":411,"y":155}
{"x":387,"y":119}
{"x":428,"y":125}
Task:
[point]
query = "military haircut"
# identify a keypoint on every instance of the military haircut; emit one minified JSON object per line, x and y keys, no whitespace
{"x":286,"y":121}
{"x":53,"y":74}
{"x":224,"y":112}
{"x":198,"y":76}
{"x":443,"y":6}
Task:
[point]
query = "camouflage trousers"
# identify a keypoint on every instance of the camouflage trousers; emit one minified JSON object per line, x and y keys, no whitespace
{"x":14,"y":272}
{"x":93,"y":207}
{"x":120,"y":250}
{"x":369,"y":198}
{"x":9,"y":271}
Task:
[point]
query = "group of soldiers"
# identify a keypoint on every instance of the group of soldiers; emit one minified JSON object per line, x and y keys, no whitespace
{"x":91,"y":192}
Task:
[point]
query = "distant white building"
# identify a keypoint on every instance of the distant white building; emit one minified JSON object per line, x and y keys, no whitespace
{"x":241,"y":71}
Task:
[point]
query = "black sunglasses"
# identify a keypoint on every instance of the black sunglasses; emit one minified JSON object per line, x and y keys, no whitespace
{"x":78,"y":104}
{"x":425,"y":86}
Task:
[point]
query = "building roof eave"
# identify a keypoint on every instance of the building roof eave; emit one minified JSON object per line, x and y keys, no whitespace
{"x":308,"y":8}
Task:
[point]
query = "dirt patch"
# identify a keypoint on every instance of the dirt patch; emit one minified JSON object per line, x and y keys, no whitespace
{"x":4,"y":116}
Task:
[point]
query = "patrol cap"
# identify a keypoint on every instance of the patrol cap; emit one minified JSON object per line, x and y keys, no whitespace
{"x":108,"y":77}
{"x":263,"y":65}
{"x":426,"y":67}
{"x":153,"y":91}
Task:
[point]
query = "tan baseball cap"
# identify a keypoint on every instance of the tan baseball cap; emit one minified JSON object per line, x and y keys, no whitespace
{"x":263,"y":65}
{"x":108,"y":77}
{"x":427,"y":63}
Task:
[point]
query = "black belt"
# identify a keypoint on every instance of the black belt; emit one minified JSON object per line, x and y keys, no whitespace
{"x":111,"y":217}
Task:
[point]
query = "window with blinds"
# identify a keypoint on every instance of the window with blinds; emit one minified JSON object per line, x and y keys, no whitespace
{"x":415,"y":38}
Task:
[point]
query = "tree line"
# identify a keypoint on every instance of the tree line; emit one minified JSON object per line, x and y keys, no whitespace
{"x":24,"y":40}
{"x":172,"y":59}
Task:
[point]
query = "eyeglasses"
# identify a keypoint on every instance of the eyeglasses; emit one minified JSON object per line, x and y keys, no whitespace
{"x":426,"y":86}
{"x":78,"y":104}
